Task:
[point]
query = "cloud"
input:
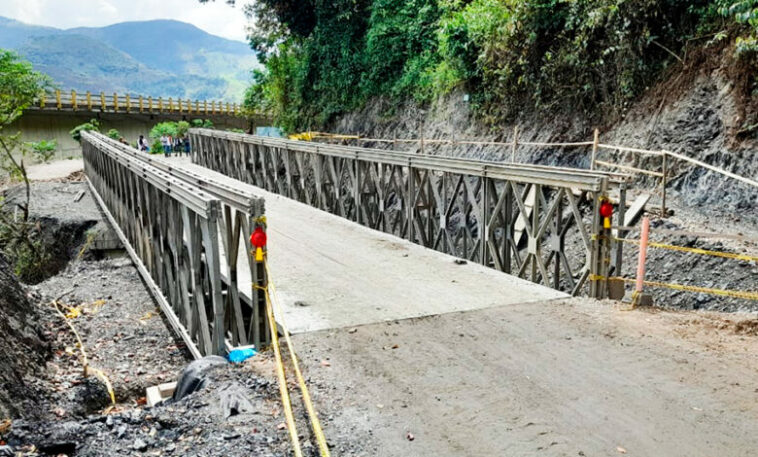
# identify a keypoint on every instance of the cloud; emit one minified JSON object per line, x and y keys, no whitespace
{"x":216,"y":17}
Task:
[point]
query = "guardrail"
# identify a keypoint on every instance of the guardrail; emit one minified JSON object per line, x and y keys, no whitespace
{"x":115,"y":103}
{"x":184,"y":240}
{"x":480,"y":211}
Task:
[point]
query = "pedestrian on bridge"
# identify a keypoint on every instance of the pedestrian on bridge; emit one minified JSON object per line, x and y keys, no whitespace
{"x":166,"y":143}
{"x":142,"y":144}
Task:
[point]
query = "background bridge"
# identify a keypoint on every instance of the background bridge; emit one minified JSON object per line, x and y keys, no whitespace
{"x":53,"y":115}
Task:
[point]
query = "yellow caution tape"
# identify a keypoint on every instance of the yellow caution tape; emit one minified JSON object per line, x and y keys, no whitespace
{"x":315,"y":423}
{"x":727,"y":255}
{"x":310,"y":136}
{"x":747,"y":295}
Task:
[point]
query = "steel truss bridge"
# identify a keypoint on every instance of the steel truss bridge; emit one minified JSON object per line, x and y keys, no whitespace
{"x":536,"y":222}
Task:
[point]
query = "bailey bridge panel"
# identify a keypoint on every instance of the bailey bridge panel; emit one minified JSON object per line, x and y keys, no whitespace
{"x":185,"y":242}
{"x":538,"y":223}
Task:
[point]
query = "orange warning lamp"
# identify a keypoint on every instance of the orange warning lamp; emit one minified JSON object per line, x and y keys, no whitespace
{"x":258,"y":240}
{"x":606,"y":211}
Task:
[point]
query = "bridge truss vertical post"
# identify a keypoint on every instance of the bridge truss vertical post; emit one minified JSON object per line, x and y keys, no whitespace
{"x":410,"y":202}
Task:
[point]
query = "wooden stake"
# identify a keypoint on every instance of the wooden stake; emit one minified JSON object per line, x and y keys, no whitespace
{"x":515,"y":144}
{"x":663,"y":184}
{"x":595,"y":143}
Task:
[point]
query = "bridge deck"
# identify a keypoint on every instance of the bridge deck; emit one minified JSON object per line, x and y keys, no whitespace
{"x":532,"y":376}
{"x":333,"y":273}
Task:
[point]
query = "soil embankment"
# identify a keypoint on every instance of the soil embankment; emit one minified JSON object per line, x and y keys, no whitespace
{"x":23,"y":348}
{"x":697,"y":110}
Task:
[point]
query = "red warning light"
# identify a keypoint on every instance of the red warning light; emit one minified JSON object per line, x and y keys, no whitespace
{"x":258,"y":238}
{"x":606,"y":209}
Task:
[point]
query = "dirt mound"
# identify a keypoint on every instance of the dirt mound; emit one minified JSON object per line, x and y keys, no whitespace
{"x":22,"y":348}
{"x":200,"y":424}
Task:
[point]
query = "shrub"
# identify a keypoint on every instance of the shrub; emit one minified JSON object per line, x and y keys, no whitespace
{"x":92,"y":125}
{"x":114,"y":134}
{"x":43,"y":150}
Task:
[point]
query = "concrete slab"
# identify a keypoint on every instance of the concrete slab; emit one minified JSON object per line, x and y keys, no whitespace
{"x":59,"y":169}
{"x":333,"y":273}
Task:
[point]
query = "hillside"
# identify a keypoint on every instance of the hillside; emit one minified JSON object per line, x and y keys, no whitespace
{"x":160,"y":58}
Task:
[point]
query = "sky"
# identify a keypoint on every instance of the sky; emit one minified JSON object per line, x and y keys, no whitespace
{"x":216,"y":18}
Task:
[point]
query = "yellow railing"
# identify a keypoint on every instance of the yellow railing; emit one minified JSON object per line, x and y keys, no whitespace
{"x":69,"y":101}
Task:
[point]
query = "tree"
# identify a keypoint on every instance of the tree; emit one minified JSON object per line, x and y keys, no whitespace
{"x":19,"y":86}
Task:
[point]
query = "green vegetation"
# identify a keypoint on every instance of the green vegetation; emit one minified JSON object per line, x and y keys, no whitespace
{"x":19,"y":237}
{"x":548,"y":56}
{"x":173,"y":129}
{"x":202,"y":123}
{"x":114,"y":134}
{"x":43,"y":150}
{"x":92,"y":125}
{"x":744,"y":12}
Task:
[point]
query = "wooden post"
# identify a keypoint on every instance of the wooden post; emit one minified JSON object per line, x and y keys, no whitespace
{"x":42,"y":100}
{"x":73,"y":100}
{"x":394,"y":141}
{"x":189,"y":106}
{"x":205,"y":106}
{"x":663,"y":184}
{"x":141,"y":104}
{"x":89,"y":100}
{"x":515,"y":144}
{"x":170,"y":105}
{"x":422,"y":137}
{"x":128,"y":103}
{"x":58,"y":98}
{"x":150,"y":103}
{"x":102,"y":101}
{"x":115,"y":102}
{"x":160,"y":104}
{"x":595,"y":143}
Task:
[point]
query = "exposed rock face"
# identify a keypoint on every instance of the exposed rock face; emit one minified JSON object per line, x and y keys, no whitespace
{"x":22,"y":348}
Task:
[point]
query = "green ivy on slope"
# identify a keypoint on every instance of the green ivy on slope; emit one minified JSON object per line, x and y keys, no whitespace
{"x":550,"y":56}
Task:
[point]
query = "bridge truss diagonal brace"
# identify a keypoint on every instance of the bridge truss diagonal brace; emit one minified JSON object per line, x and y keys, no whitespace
{"x":514,"y":218}
{"x":176,"y":234}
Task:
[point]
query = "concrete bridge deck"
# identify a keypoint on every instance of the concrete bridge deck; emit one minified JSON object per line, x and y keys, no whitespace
{"x":334,"y":273}
{"x":430,"y":358}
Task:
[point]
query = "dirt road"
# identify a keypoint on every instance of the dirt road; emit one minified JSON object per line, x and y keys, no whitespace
{"x":560,"y":378}
{"x":480,"y":364}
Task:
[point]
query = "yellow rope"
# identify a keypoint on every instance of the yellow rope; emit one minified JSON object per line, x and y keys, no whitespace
{"x":286,"y":403}
{"x":85,"y":362}
{"x":704,"y":290}
{"x":727,"y":255}
{"x":315,"y":423}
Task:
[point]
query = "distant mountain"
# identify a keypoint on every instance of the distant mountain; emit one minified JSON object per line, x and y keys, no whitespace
{"x":160,"y":58}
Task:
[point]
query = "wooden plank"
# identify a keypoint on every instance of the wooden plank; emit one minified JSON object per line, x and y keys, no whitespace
{"x":523,"y":218}
{"x":634,"y":211}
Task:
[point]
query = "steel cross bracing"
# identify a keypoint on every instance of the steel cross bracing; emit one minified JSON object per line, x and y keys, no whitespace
{"x":185,"y":241}
{"x":536,"y":222}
